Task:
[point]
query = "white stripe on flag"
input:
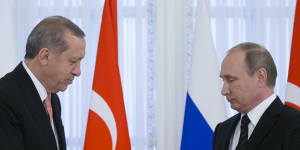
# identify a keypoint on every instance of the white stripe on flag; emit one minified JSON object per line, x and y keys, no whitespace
{"x":205,"y":84}
{"x":205,"y":106}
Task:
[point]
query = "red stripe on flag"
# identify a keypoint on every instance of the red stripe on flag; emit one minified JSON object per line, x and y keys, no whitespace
{"x":294,"y":68}
{"x":107,"y":82}
{"x":292,"y":105}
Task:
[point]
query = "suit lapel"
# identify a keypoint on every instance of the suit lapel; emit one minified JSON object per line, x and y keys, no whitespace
{"x":230,"y":130}
{"x":265,"y":123}
{"x":57,"y":121}
{"x":34,"y":104}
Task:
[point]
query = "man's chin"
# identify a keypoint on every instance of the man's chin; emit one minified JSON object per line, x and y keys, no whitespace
{"x":234,"y":107}
{"x":63,"y":88}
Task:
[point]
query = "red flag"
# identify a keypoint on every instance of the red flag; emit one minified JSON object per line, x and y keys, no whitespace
{"x":107,"y":125}
{"x":293,"y":85}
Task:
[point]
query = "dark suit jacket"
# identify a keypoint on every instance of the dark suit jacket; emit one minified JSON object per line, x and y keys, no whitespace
{"x":24,"y":124}
{"x":277,"y":129}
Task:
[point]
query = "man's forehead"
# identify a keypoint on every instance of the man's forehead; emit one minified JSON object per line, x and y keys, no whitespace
{"x":233,"y":59}
{"x":236,"y":53}
{"x":75,"y":54}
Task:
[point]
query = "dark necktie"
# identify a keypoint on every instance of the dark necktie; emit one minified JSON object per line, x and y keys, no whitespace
{"x":244,"y":133}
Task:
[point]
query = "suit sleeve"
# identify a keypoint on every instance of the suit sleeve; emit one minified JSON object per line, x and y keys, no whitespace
{"x":10,"y":132}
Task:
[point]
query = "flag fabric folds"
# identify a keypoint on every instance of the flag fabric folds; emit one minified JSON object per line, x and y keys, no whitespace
{"x":8,"y":56}
{"x":107,"y":125}
{"x":204,"y":104}
{"x":293,"y":85}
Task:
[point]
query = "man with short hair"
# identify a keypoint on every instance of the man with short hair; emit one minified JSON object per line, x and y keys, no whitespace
{"x":30,"y":110}
{"x":263,"y":122}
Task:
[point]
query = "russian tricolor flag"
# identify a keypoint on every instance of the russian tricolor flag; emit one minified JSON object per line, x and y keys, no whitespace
{"x":204,"y":103}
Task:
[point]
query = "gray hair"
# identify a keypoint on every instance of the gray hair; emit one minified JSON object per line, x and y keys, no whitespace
{"x":258,"y":57}
{"x":49,"y":33}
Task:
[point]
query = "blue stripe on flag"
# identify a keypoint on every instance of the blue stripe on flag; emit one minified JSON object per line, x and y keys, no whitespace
{"x":196,"y":131}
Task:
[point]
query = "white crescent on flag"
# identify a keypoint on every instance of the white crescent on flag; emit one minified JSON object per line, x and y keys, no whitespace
{"x":101,"y":108}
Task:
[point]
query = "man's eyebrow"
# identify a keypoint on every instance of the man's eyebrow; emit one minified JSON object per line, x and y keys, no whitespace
{"x":77,"y":58}
{"x":227,"y":76}
{"x":223,"y":76}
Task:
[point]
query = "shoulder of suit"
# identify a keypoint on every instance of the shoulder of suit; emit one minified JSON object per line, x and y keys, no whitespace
{"x":9,"y":90}
{"x":290,"y":112}
{"x":8,"y":82}
{"x":231,"y":119}
{"x":290,"y":119}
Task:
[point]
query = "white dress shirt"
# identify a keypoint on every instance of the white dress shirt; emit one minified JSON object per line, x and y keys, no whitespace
{"x":43,"y":94}
{"x":254,"y":116}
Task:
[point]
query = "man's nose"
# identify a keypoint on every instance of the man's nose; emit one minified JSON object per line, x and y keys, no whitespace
{"x":225,"y":89}
{"x":76,"y":71}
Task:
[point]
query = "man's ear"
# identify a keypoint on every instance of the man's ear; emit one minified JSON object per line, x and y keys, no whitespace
{"x":262,"y":76}
{"x":43,"y":56}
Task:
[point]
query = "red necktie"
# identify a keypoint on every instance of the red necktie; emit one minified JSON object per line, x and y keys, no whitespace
{"x":48,"y":107}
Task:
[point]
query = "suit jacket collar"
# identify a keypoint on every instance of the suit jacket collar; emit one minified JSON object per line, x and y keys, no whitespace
{"x":265,"y":123}
{"x":33,"y":102}
{"x":38,"y":85}
{"x":231,"y":126}
{"x":57,"y":121}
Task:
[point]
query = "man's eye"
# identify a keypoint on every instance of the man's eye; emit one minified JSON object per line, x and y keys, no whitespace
{"x":231,"y":79}
{"x":73,"y":62}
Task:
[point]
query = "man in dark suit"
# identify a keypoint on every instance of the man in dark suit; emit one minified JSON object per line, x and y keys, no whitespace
{"x":263,"y":122}
{"x":30,"y":111}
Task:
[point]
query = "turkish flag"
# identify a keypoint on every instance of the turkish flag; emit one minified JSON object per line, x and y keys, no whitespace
{"x":293,"y":85}
{"x":107,"y":125}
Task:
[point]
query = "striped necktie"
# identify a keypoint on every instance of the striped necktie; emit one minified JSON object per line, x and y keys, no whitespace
{"x":244,"y":133}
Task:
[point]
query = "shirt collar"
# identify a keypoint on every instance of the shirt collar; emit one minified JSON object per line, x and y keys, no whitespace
{"x":256,"y":113}
{"x":38,"y":85}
